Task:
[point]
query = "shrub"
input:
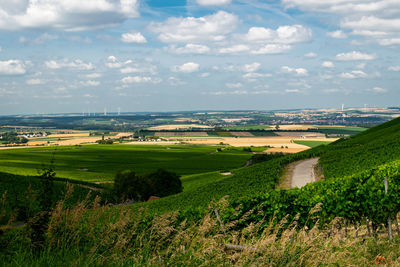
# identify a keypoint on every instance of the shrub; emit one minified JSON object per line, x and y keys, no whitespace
{"x":128,"y":185}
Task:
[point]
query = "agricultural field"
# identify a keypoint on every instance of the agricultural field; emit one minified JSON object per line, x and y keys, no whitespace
{"x":178,"y":127}
{"x":311,"y":143}
{"x":101,"y":162}
{"x":248,"y":127}
{"x":179,"y":134}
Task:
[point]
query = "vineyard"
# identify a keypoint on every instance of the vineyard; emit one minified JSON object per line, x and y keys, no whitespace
{"x":239,"y":217}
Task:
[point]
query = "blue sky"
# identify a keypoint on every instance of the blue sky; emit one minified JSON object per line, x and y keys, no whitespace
{"x":157,"y":55}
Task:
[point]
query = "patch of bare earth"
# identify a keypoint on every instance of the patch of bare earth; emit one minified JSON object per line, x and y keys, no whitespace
{"x":299,"y":173}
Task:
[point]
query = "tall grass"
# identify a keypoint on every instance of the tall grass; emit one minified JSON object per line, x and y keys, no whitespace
{"x":90,"y":234}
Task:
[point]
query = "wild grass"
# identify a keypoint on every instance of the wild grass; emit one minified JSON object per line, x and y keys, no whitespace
{"x":98,"y":235}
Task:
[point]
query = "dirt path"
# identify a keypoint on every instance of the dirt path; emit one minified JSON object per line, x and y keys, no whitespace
{"x":300,"y":173}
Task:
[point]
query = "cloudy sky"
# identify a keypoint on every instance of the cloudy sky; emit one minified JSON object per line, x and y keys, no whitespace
{"x":158,"y":55}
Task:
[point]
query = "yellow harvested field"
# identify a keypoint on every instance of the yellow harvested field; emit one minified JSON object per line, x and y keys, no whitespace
{"x":76,"y":134}
{"x":295,"y":127}
{"x":242,"y":134}
{"x":285,"y":150}
{"x":178,"y":126}
{"x":177,"y":134}
{"x":74,"y":141}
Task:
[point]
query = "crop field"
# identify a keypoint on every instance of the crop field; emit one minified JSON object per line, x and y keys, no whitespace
{"x":178,"y":127}
{"x":177,"y":134}
{"x":101,"y":162}
{"x":242,"y":134}
{"x":248,"y":127}
{"x":311,"y":143}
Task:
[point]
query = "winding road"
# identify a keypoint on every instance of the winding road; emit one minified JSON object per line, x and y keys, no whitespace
{"x":303,"y":172}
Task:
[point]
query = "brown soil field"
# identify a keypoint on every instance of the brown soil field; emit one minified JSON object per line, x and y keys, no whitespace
{"x":178,"y":126}
{"x":176,"y":134}
{"x":242,"y":134}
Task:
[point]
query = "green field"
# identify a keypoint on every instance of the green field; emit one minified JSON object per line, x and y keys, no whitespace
{"x":101,"y":162}
{"x":248,"y":127}
{"x":311,"y":143}
{"x":340,"y":130}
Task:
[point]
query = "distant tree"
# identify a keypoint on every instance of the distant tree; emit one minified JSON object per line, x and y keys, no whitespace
{"x":277,"y":127}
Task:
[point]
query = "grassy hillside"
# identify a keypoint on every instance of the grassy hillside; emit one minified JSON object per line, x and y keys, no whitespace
{"x":20,"y":195}
{"x":101,"y":162}
{"x":367,"y":150}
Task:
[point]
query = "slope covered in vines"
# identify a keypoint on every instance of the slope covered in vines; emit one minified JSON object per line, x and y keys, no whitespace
{"x":367,"y":150}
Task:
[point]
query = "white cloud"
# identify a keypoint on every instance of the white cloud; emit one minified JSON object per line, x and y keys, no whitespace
{"x":371,"y":19}
{"x":90,"y":83}
{"x":139,"y":79}
{"x":251,"y":67}
{"x":298,"y":71}
{"x":234,"y":85}
{"x":35,"y":81}
{"x":378,"y":90}
{"x":133,"y":37}
{"x":361,"y":66}
{"x":354,"y":55}
{"x":292,"y":91}
{"x":254,"y":75}
{"x":213,"y":2}
{"x":71,"y":15}
{"x":234,"y":49}
{"x":187,"y":67}
{"x":190,"y":29}
{"x":204,"y":75}
{"x":328,"y":64}
{"x":190,"y":49}
{"x":114,"y":63}
{"x":311,"y":55}
{"x":76,"y":64}
{"x":175,"y":81}
{"x":394,"y":68}
{"x":272,"y":49}
{"x":354,"y":74}
{"x":139,"y":69}
{"x":93,"y":75}
{"x":388,"y":42}
{"x":337,"y":34}
{"x":283,"y":34}
{"x":12,"y":67}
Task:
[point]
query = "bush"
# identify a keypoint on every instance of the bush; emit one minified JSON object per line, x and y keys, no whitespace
{"x":128,"y":185}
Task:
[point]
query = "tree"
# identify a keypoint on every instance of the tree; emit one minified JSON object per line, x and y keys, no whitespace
{"x":128,"y":185}
{"x":163,"y":183}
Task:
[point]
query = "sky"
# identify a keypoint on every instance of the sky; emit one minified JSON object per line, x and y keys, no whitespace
{"x":156,"y":55}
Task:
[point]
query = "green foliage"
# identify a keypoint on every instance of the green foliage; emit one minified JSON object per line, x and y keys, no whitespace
{"x":257,"y":158}
{"x":128,"y":185}
{"x":354,"y":198}
{"x":21,"y":199}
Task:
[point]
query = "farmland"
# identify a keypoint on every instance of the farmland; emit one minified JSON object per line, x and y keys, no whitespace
{"x":311,"y":143}
{"x":101,"y":162}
